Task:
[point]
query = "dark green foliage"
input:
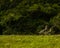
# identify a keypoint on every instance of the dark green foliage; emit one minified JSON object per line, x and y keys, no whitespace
{"x":29,"y":16}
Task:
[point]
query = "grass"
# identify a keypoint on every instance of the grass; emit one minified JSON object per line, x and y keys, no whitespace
{"x":29,"y":41}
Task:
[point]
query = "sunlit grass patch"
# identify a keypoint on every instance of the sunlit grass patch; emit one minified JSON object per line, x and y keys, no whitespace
{"x":30,"y":41}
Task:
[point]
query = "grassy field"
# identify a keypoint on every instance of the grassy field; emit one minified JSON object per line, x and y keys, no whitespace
{"x":30,"y":41}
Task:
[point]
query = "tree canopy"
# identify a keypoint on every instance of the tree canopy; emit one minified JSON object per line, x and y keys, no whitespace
{"x":29,"y":16}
